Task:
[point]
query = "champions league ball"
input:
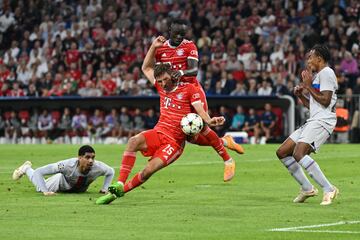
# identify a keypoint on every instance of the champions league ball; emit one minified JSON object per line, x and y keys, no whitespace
{"x":191,"y":124}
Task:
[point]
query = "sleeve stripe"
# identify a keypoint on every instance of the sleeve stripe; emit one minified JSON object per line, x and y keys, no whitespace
{"x":196,"y":102}
{"x":193,"y":58}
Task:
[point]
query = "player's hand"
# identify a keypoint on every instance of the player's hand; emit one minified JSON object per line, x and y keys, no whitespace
{"x":176,"y":75}
{"x":216,"y":121}
{"x":103,"y":191}
{"x":306,"y":77}
{"x":298,"y":90}
{"x":158,"y":42}
{"x":49,"y":193}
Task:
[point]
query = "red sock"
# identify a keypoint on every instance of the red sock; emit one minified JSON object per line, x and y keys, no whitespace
{"x":134,"y":182}
{"x":209,"y":138}
{"x":127,"y":164}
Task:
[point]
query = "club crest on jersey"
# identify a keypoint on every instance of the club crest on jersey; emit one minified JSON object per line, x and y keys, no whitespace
{"x":180,"y":96}
{"x":180,"y":52}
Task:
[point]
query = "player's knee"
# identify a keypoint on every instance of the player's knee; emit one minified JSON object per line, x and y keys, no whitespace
{"x":133,"y":143}
{"x":297,"y":155}
{"x":282,"y":152}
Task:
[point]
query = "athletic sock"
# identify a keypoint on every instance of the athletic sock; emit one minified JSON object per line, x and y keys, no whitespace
{"x":134,"y":182}
{"x":297,"y":172}
{"x":127,"y":164}
{"x":228,"y":162}
{"x":214,"y":141}
{"x":315,"y":172}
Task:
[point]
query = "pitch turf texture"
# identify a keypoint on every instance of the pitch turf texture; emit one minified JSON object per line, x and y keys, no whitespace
{"x":187,"y":200}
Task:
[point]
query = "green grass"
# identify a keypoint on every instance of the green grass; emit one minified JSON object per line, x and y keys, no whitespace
{"x":187,"y":200}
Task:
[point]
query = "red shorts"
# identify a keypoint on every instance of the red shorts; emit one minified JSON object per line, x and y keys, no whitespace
{"x":159,"y":145}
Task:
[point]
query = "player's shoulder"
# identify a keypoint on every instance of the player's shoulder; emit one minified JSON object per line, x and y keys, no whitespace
{"x":100,"y":164}
{"x":68,"y":163}
{"x":327,"y":71}
{"x":187,"y":43}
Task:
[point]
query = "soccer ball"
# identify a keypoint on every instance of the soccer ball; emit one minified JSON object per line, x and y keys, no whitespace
{"x":191,"y":124}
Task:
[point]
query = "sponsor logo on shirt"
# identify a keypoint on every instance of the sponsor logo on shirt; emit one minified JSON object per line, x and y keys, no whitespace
{"x":193,"y":52}
{"x":196,"y":95}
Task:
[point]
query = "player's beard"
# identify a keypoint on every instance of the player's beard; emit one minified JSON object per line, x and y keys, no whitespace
{"x":171,"y":85}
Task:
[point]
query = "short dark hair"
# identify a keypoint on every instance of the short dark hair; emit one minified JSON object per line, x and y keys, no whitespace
{"x":162,"y":68}
{"x":85,"y":149}
{"x":322,"y":51}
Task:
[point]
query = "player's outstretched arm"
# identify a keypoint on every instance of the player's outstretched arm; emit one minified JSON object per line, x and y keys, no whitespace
{"x":212,"y":122}
{"x":148,"y":64}
{"x":109,"y":173}
{"x":323,"y":97}
{"x":38,"y":177}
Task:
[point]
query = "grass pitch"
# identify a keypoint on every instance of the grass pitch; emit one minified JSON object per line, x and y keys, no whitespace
{"x":187,"y":200}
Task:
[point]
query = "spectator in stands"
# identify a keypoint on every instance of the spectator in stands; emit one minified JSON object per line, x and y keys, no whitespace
{"x":349,"y":67}
{"x":252,"y":90}
{"x":280,"y":88}
{"x":12,"y":128}
{"x":79,"y":123}
{"x":150,"y":119}
{"x":110,"y":124}
{"x":265,"y":89}
{"x":45,"y":126}
{"x":221,"y":130}
{"x":89,"y":90}
{"x":238,"y":120}
{"x":126,"y":125}
{"x":139,"y":121}
{"x":252,"y":126}
{"x":239,"y":90}
{"x":32,"y":91}
{"x":267,"y":122}
{"x":64,"y":126}
{"x":94,"y":128}
{"x":16,"y":91}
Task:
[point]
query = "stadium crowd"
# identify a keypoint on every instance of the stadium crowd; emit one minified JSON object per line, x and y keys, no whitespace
{"x":246,"y":48}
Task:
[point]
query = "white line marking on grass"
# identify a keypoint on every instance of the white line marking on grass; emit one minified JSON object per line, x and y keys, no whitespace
{"x":302,"y":228}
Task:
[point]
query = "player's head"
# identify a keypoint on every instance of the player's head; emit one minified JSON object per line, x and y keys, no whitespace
{"x":177,"y":29}
{"x":162,"y":74}
{"x":86,"y":156}
{"x":318,"y":56}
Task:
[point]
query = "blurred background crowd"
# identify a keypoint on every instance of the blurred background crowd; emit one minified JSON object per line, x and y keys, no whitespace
{"x":246,"y":48}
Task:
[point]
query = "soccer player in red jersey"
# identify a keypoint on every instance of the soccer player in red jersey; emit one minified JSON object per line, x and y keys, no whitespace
{"x":182,"y":55}
{"x":165,"y":143}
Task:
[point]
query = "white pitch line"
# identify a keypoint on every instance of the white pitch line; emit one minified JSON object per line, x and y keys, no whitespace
{"x":300,"y":228}
{"x":325,"y":231}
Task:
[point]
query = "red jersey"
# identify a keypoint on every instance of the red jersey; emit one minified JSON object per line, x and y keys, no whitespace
{"x":72,"y":56}
{"x":177,"y":57}
{"x":174,"y":106}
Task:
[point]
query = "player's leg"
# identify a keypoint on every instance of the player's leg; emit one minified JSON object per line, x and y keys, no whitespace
{"x":154,"y":165}
{"x":167,"y":153}
{"x":227,"y":141}
{"x":135,"y":143}
{"x":21,"y":170}
{"x":310,"y":140}
{"x":284,"y":154}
